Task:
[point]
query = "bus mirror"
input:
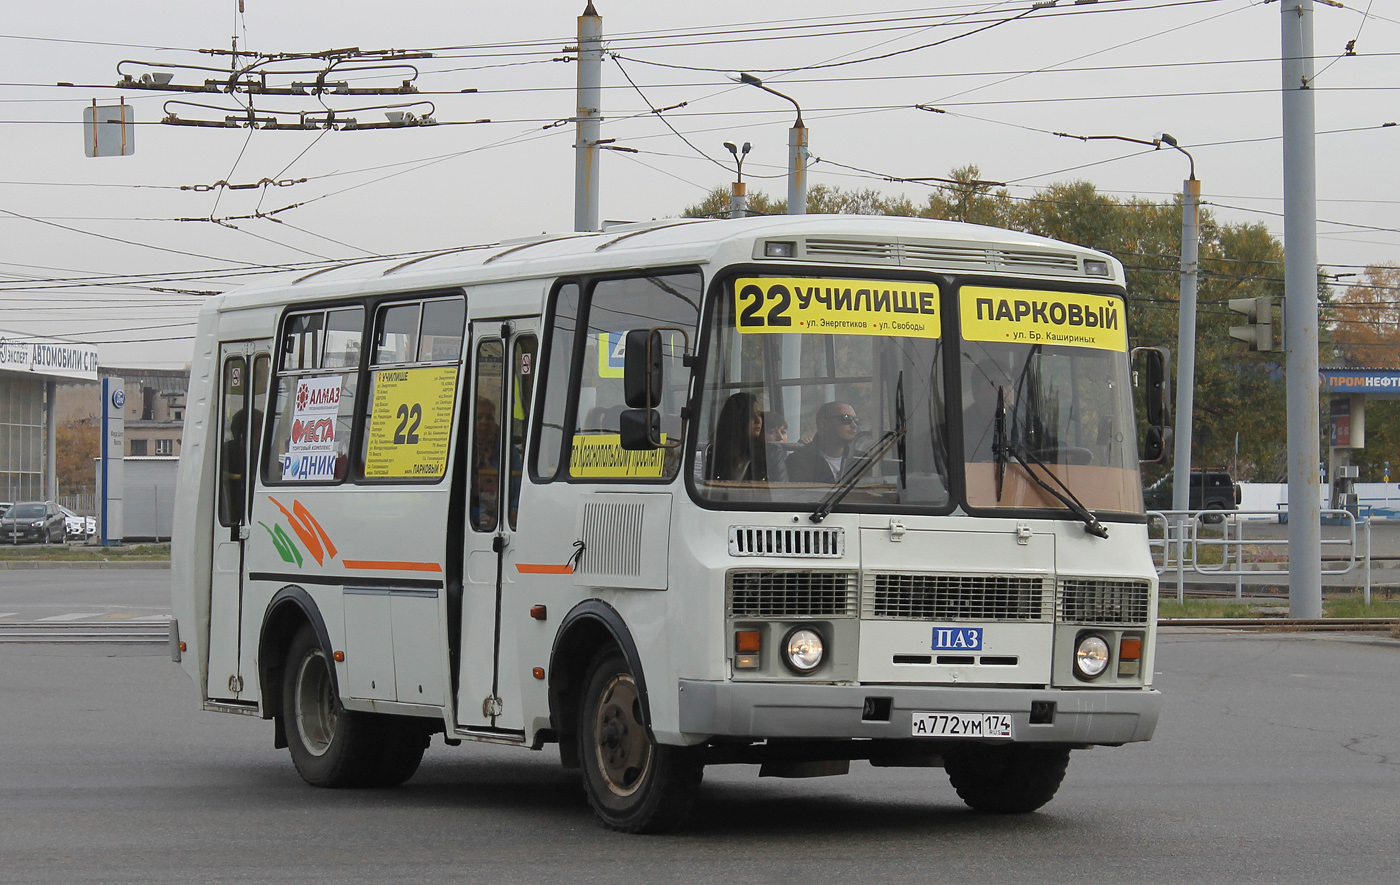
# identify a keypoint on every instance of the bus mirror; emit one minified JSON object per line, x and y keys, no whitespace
{"x":640,"y":430}
{"x":1155,"y":443}
{"x":1152,"y":376}
{"x":642,"y":380}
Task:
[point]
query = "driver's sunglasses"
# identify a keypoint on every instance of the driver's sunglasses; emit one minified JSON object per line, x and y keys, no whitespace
{"x":845,"y":419}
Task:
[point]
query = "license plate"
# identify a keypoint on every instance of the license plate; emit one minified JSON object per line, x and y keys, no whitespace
{"x":962,"y":725}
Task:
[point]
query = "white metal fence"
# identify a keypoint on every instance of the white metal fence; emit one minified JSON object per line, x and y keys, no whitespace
{"x":1214,"y":543}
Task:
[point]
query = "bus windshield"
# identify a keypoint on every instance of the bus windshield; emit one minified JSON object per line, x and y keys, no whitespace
{"x":1041,"y":416}
{"x":832,"y":393}
{"x":814,"y":382}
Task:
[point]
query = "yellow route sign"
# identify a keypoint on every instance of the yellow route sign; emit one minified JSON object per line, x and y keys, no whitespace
{"x":601,"y":455}
{"x":809,"y":306}
{"x":1032,"y":316}
{"x":411,"y":425}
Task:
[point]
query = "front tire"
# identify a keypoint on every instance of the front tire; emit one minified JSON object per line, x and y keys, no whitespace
{"x":634,"y":784}
{"x":1008,"y":778}
{"x":330,"y":746}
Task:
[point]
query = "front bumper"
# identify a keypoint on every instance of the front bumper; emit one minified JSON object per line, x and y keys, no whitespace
{"x":759,"y":710}
{"x":22,"y":535}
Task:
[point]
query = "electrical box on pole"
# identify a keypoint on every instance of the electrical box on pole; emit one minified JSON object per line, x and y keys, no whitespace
{"x":1259,"y":332}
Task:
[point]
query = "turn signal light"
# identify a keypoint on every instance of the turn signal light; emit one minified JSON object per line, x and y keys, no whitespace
{"x":538,"y":672}
{"x":748,"y":642}
{"x":1130,"y":656}
{"x":339,"y":656}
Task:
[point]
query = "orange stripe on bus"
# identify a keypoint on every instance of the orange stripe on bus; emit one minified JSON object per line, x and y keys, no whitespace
{"x":526,"y":568}
{"x":392,"y":566}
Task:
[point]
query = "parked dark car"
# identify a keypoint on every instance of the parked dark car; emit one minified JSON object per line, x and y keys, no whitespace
{"x":36,"y":521}
{"x":1211,"y":489}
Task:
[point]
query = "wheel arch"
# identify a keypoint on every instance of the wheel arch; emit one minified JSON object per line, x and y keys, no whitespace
{"x":588,"y":627}
{"x":288,"y":611}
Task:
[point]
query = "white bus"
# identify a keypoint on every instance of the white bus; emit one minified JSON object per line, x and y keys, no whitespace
{"x":858,"y":488}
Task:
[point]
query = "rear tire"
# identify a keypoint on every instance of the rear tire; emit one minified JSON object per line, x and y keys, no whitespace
{"x":1006,"y":779}
{"x":403,"y":742}
{"x":634,"y":784}
{"x":330,"y":746}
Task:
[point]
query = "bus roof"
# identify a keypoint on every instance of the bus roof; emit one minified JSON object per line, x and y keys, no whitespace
{"x":863,"y":240}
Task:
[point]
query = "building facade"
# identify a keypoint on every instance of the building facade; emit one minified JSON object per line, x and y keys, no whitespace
{"x":30,"y":372}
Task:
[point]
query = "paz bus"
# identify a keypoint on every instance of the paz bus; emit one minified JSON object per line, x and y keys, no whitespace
{"x":786,"y":492}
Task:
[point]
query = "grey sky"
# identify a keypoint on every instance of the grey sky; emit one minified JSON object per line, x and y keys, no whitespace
{"x":1205,"y":70}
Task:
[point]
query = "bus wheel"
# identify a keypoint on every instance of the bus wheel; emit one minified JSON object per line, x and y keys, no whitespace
{"x":330,"y":746}
{"x":401,"y":750}
{"x":1007,"y":779}
{"x":634,"y":784}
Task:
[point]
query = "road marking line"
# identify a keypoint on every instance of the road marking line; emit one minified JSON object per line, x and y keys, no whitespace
{"x":119,"y":616}
{"x":72,"y":617}
{"x":8,"y":614}
{"x":152,"y":618}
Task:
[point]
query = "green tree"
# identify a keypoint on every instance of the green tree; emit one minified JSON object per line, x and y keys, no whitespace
{"x":1239,"y":394}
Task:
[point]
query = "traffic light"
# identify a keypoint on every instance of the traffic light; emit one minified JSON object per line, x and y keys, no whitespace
{"x":1260,"y":330}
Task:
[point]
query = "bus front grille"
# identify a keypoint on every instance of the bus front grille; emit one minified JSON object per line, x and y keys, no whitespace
{"x":805,"y":541}
{"x":924,"y":597}
{"x":790,"y":594}
{"x":1100,"y":601}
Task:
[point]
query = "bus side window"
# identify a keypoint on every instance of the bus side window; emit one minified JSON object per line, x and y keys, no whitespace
{"x":486,"y":437}
{"x":233,"y":448}
{"x":409,"y":412}
{"x":318,"y":373}
{"x":558,"y":360}
{"x":521,"y":390}
{"x":615,"y":306}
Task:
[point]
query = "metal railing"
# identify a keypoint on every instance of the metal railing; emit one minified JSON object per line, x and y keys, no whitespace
{"x":1216,"y":543}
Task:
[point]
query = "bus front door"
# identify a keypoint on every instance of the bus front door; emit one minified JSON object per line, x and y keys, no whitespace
{"x":503,"y":359}
{"x":243,"y":375}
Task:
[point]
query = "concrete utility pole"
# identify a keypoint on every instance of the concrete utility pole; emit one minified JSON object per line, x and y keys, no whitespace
{"x":1300,"y":310}
{"x":797,"y":151}
{"x":1186,"y":333}
{"x":589,"y":119}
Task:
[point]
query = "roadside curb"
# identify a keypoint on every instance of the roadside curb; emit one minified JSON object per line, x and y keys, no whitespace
{"x":42,"y":564}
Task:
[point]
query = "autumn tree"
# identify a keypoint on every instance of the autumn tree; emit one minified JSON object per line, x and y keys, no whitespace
{"x":1366,"y":334}
{"x":77,"y":444}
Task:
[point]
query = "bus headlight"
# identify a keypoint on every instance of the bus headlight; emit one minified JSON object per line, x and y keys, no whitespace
{"x":803,"y":650}
{"x":1090,"y":656}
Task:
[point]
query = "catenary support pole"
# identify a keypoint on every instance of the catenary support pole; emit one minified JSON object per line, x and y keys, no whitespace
{"x":589,"y":120}
{"x":1186,"y":342}
{"x":1300,"y":310}
{"x":797,"y":168}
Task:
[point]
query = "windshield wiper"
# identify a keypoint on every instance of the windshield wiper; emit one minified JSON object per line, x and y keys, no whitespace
{"x":1063,"y":493}
{"x":999,"y":445}
{"x":858,"y":469}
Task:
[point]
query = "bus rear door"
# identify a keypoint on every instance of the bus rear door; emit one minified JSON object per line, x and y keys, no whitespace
{"x":243,"y":386}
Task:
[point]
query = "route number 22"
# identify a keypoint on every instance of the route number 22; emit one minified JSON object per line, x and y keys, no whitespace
{"x":406,"y":434}
{"x":779,"y":299}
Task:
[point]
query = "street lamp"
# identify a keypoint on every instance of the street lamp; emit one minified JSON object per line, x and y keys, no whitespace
{"x":1186,"y":327}
{"x":1186,"y":320}
{"x":797,"y":150}
{"x":739,"y":198}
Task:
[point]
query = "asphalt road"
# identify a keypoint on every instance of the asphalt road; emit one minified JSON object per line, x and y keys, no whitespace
{"x":1277,"y":760}
{"x":35,"y":594}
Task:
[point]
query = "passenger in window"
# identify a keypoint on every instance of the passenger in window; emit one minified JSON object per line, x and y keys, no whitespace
{"x":775,"y":430}
{"x":775,"y":427}
{"x":739,"y":452}
{"x":825,"y":458}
